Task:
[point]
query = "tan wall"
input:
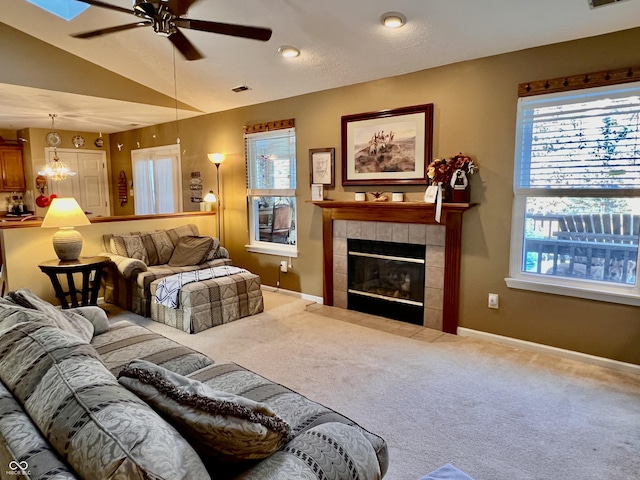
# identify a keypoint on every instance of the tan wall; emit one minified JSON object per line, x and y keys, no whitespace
{"x":475,"y":108}
{"x":24,"y":248}
{"x":8,"y":135}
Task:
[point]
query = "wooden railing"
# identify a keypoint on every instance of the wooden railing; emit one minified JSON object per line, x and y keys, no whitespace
{"x":593,"y":246}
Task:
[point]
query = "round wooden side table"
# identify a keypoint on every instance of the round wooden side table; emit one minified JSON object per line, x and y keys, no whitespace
{"x":91,"y":270}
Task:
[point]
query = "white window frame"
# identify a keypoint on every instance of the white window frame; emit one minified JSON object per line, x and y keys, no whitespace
{"x":581,"y":288}
{"x":255,"y":245}
{"x":152,"y":154}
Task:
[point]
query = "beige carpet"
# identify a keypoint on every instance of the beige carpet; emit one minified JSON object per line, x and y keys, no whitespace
{"x":495,"y":412}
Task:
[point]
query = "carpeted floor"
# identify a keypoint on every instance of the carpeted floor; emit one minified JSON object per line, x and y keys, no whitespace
{"x":495,"y":412}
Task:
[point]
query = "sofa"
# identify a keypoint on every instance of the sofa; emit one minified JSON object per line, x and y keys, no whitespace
{"x":139,"y":258}
{"x":82,"y":397}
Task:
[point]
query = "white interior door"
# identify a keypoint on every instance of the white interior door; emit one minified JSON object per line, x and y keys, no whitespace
{"x":90,"y":186}
{"x":92,"y":173}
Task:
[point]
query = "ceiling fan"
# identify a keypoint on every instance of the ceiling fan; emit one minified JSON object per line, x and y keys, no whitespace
{"x":166,"y":17}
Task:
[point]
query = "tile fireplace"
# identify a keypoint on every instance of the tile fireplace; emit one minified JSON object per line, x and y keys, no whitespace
{"x":408,"y":226}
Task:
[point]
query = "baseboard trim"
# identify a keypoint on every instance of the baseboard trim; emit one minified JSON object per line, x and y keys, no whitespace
{"x":291,"y":293}
{"x":558,"y":352}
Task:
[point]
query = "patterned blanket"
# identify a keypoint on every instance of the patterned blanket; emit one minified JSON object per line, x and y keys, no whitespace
{"x":169,"y":287}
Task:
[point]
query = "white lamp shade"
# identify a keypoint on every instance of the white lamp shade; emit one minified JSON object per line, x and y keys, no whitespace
{"x":210,"y":197}
{"x":65,"y":212}
{"x":216,"y":158}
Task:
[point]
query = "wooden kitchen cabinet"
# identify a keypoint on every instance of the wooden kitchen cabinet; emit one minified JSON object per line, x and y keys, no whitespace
{"x":11,"y":169}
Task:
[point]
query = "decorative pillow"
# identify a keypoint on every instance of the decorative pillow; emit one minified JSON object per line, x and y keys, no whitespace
{"x":158,"y":246}
{"x":97,"y":426}
{"x":11,"y":315}
{"x":39,"y":310}
{"x":97,"y":316}
{"x":223,"y":425}
{"x":175,"y":234}
{"x":190,"y":250}
{"x":129,"y":246}
{"x":214,"y":251}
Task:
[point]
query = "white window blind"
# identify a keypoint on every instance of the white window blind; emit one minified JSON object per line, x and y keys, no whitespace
{"x":576,"y":209}
{"x":271,"y":191}
{"x":271,"y":160}
{"x":589,"y":139}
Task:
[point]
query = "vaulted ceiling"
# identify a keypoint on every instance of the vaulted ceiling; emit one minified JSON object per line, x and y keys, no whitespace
{"x":123,"y":80}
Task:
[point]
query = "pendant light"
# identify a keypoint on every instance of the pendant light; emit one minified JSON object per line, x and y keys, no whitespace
{"x":55,"y":169}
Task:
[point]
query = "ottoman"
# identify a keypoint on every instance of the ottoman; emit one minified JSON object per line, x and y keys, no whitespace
{"x":212,"y":302}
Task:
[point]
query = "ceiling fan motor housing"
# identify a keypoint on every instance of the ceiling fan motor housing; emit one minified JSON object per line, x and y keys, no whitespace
{"x":144,"y":9}
{"x":167,"y":17}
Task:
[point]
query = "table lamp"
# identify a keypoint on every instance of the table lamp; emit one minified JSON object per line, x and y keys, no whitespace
{"x":210,"y":200}
{"x":65,"y":213}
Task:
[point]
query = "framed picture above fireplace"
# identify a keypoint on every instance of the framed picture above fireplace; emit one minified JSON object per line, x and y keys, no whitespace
{"x":388,"y":147}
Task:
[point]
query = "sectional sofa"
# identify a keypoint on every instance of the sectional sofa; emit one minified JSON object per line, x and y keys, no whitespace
{"x":81,"y":397}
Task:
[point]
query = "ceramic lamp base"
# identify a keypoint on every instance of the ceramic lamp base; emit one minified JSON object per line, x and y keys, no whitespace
{"x":67,"y":243}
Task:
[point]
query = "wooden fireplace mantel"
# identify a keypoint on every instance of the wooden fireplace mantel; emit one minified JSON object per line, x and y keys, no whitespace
{"x":401,"y":212}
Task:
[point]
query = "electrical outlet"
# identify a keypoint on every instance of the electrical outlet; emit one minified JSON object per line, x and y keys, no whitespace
{"x":493,"y":300}
{"x":283,"y":266}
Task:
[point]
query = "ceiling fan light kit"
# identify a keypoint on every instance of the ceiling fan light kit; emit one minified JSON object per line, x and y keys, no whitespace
{"x":393,"y":19}
{"x":166,"y":18}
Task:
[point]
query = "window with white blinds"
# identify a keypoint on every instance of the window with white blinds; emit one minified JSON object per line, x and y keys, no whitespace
{"x":271,"y":191}
{"x":576,"y":210}
{"x":582,"y":140}
{"x":271,"y":160}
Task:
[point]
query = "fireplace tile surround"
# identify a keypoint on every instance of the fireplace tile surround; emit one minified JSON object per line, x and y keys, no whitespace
{"x":398,"y":222}
{"x":433,"y":236}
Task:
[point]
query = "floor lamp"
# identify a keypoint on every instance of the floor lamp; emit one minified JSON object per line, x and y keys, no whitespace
{"x":217,"y":159}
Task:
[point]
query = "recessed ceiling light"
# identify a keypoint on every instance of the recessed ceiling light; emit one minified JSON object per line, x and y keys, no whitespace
{"x":393,"y":19}
{"x":240,"y":88}
{"x":288,"y":51}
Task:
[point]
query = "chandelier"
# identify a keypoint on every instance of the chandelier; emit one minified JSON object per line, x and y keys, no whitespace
{"x":55,"y":169}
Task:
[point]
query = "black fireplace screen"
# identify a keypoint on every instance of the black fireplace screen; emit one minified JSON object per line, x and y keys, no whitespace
{"x":386,"y":279}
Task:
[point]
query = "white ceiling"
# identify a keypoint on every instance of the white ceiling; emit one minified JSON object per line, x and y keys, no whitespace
{"x":342,"y":43}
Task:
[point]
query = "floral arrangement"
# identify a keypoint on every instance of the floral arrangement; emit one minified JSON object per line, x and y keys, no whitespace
{"x":442,"y":169}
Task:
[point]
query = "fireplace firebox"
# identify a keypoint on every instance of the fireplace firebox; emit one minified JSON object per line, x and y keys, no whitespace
{"x":386,"y":279}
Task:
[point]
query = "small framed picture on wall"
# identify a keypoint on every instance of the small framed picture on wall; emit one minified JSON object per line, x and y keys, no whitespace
{"x":322,"y":166}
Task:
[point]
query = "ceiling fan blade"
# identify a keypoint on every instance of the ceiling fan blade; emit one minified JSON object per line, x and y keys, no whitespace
{"x":104,"y":31}
{"x":255,"y":33}
{"x":184,"y":46}
{"x":98,"y":3}
{"x":180,"y":7}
